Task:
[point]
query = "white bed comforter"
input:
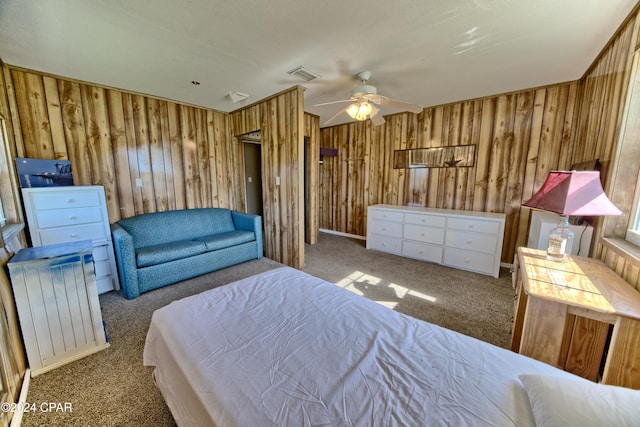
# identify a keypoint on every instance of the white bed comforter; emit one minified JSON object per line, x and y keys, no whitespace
{"x":284,"y":348}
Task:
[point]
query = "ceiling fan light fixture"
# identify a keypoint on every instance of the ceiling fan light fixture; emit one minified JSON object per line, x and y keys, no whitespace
{"x":359,"y":111}
{"x":352,"y":110}
{"x":363,"y":111}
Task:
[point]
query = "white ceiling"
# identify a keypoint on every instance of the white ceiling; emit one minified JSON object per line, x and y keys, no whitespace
{"x":428,"y":52}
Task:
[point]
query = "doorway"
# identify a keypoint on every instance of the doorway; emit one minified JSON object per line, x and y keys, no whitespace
{"x":252,"y":152}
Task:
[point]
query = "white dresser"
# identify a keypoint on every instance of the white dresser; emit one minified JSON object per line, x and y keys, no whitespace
{"x":462,"y":239}
{"x":70,"y":214}
{"x":57,"y":304}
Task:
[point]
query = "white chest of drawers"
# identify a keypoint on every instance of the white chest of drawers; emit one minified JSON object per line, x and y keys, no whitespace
{"x":70,"y":214}
{"x":462,"y":239}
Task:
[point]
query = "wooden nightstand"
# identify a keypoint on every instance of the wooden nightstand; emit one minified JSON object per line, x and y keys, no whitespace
{"x":577,"y":315}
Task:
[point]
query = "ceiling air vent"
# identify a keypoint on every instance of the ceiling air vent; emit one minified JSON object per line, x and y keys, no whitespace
{"x":303,"y":73}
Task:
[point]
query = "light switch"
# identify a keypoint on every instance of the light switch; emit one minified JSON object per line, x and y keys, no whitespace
{"x":277,"y":180}
{"x":138,"y":182}
{"x":249,"y":179}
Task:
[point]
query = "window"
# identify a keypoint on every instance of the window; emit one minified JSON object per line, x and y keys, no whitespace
{"x":633,"y":232}
{"x":626,"y":184}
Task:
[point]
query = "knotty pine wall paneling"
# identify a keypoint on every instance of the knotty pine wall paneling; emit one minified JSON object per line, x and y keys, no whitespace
{"x":180,"y":154}
{"x":519,"y":137}
{"x":280,"y":120}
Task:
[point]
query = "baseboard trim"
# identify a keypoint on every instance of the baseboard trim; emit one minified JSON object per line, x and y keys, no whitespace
{"x":339,"y":233}
{"x":16,"y":420}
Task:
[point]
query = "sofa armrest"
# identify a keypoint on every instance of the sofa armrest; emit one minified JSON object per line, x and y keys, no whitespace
{"x":126,"y":261}
{"x":249,"y":222}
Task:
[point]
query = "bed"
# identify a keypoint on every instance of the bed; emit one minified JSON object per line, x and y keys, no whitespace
{"x":284,"y":348}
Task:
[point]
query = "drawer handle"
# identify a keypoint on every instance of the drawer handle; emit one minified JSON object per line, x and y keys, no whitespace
{"x":74,"y":235}
{"x":73,"y":217}
{"x":469,"y":242}
{"x":467,"y":260}
{"x":69,"y":200}
{"x":470,"y":226}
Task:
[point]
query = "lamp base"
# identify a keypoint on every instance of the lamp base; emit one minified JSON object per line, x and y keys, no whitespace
{"x":560,"y":241}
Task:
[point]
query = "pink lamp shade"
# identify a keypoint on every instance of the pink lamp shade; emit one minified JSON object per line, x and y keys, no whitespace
{"x":576,"y":193}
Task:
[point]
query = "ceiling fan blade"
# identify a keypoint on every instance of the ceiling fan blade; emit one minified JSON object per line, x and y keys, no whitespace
{"x":401,"y":105}
{"x":332,"y":119}
{"x":332,"y":102}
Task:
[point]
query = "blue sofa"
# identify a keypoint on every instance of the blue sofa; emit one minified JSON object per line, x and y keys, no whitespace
{"x":157,"y":249}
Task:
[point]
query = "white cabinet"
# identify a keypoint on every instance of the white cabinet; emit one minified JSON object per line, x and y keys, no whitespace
{"x":543,"y":222}
{"x":70,"y":214}
{"x":57,"y":303}
{"x":462,"y":239}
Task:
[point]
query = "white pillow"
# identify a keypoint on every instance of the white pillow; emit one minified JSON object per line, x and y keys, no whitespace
{"x":564,"y":402}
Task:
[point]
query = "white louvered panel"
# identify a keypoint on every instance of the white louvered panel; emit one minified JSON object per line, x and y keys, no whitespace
{"x":57,"y":302}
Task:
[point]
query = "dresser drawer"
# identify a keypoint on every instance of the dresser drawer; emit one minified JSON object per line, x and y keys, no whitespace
{"x":385,"y":244}
{"x":422,"y":251}
{"x":104,"y":284}
{"x":55,"y":200}
{"x":102,"y":268}
{"x":71,"y":234}
{"x":385,"y":215}
{"x":424,"y":234}
{"x":65,"y":217}
{"x":471,"y":241}
{"x":480,"y":226}
{"x":100,"y":253}
{"x":386,"y":228}
{"x":469,"y":260}
{"x":422,"y":219}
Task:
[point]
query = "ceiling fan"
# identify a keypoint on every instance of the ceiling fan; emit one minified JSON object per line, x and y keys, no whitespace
{"x":364,"y":99}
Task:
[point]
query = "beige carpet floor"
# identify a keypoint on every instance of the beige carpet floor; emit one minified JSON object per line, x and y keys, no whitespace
{"x":112,"y":388}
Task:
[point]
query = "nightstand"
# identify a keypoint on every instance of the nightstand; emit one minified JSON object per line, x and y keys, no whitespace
{"x":577,"y":315}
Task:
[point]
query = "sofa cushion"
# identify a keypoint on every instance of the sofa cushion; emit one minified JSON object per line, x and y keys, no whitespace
{"x":158,"y":254}
{"x":225,"y":240}
{"x":173,"y":226}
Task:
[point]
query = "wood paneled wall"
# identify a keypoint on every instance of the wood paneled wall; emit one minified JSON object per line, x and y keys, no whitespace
{"x":280,"y":120}
{"x":149,"y":154}
{"x":519,"y":137}
{"x":12,"y":356}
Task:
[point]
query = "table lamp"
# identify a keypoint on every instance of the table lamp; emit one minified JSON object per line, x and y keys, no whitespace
{"x":570,"y":193}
